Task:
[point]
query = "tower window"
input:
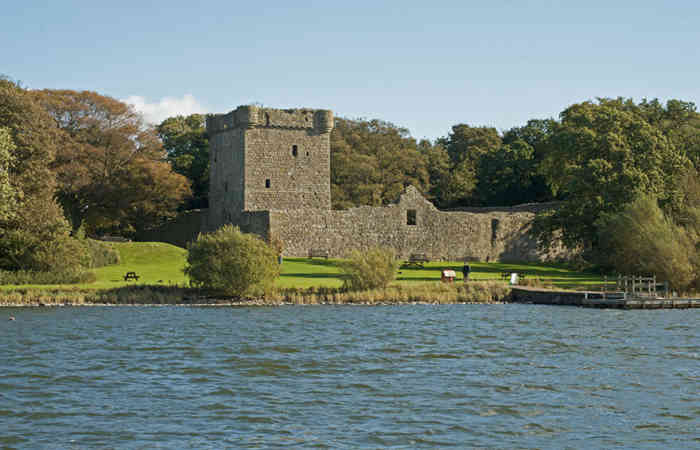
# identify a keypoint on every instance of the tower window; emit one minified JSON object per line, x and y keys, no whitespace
{"x":267,"y":183}
{"x":226,"y":186}
{"x":295,"y":150}
{"x":411,"y":217}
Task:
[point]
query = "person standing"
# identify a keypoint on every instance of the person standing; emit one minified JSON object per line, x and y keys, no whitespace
{"x":465,"y":271}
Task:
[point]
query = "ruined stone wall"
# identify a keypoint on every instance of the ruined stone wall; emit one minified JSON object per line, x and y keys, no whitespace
{"x":440,"y":235}
{"x":270,"y":175}
{"x":287,"y":169}
{"x":226,"y":177}
{"x":179,"y":231}
{"x":268,"y":159}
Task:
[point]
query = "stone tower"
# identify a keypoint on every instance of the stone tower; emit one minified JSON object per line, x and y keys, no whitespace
{"x":264,"y":159}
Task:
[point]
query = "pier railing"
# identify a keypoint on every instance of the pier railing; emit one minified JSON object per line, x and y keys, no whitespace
{"x":631,"y":286}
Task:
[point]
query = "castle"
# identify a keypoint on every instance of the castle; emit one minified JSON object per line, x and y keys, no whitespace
{"x":270,"y":175}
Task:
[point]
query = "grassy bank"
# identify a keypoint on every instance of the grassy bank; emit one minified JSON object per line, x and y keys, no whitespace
{"x":305,"y":272}
{"x":302,"y":281}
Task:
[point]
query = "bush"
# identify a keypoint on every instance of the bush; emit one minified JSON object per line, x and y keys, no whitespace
{"x":232,"y":262}
{"x":641,"y":239}
{"x":370,"y":269}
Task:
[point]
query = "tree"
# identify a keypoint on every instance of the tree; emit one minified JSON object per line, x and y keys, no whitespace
{"x":372,"y":162}
{"x":111,"y":168}
{"x":437,"y":163}
{"x":36,"y":235}
{"x":187,"y":145}
{"x":468,"y":143}
{"x":601,"y":157}
{"x":505,"y":176}
{"x":232,"y":262}
{"x":641,"y":239}
{"x":7,"y":191}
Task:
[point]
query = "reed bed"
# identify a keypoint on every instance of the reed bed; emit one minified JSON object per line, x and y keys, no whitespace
{"x":433,"y":293}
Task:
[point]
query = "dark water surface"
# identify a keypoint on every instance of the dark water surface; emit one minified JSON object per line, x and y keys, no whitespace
{"x":504,"y":376}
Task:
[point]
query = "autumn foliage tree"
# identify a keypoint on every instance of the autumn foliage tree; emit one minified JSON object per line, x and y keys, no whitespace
{"x":111,"y":169}
{"x":34,"y":235}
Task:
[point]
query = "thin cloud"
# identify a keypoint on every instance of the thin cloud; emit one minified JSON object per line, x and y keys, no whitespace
{"x":167,"y":107}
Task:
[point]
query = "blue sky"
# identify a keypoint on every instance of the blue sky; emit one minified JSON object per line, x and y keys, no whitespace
{"x":421,"y":65}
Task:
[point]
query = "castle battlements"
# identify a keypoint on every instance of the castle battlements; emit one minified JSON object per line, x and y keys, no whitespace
{"x":252,"y":116}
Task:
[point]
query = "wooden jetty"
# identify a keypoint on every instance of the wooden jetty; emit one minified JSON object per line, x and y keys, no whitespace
{"x":590,"y":299}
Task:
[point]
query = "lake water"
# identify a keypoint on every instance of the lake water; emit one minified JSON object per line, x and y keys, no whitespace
{"x":505,"y":376}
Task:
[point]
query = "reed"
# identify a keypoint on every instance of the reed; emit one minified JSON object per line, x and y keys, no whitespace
{"x":437,"y":292}
{"x":434,"y":293}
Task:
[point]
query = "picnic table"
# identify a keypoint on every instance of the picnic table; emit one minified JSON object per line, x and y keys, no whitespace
{"x":131,"y":276}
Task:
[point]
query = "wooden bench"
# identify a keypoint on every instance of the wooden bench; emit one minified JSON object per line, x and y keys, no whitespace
{"x":416,"y":260}
{"x":131,"y":276}
{"x":318,"y":253}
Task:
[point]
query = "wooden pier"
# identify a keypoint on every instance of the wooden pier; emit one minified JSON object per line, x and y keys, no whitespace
{"x":618,"y":300}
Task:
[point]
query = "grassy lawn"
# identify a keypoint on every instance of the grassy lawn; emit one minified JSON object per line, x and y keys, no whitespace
{"x":158,"y":263}
{"x":305,"y":272}
{"x":153,"y":262}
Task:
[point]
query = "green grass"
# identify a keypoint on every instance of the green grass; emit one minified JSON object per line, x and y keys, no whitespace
{"x":305,"y":272}
{"x":158,"y":263}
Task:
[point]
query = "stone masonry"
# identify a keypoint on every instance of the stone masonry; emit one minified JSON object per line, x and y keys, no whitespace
{"x":270,"y":175}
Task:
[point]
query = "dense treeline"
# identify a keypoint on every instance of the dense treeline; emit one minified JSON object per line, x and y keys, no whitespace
{"x":76,"y":163}
{"x":624,"y":173}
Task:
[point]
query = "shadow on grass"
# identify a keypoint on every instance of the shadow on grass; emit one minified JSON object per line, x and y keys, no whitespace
{"x":316,"y":261}
{"x":312,"y":275}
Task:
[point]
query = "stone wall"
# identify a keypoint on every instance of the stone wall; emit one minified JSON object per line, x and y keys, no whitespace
{"x":441,"y":235}
{"x":179,"y":231}
{"x":270,"y":175}
{"x":268,"y":159}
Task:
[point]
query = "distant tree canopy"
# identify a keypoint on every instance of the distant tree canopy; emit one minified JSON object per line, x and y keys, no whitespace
{"x":187,"y":145}
{"x":602,"y":156}
{"x":372,"y":162}
{"x":110,"y":166}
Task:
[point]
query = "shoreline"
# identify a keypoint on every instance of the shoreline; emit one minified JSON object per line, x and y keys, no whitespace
{"x":425,"y":294}
{"x":243,"y":304}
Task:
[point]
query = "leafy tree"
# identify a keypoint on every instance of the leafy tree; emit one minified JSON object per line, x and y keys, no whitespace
{"x":232,"y":262}
{"x":505,"y":176}
{"x":36,"y":235}
{"x":641,"y":239}
{"x":7,"y":191}
{"x":369,"y":269}
{"x":111,"y":168}
{"x":372,"y":162}
{"x":438,"y":165}
{"x":468,"y":143}
{"x":187,"y":145}
{"x":601,"y":157}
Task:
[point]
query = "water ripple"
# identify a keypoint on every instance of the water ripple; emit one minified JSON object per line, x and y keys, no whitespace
{"x":505,"y":376}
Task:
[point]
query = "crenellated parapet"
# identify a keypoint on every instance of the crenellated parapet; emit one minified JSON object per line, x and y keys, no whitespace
{"x":252,"y":116}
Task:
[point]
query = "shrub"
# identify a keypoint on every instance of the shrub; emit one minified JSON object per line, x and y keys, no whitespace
{"x":232,"y":262}
{"x":370,"y":269}
{"x":641,"y":239}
